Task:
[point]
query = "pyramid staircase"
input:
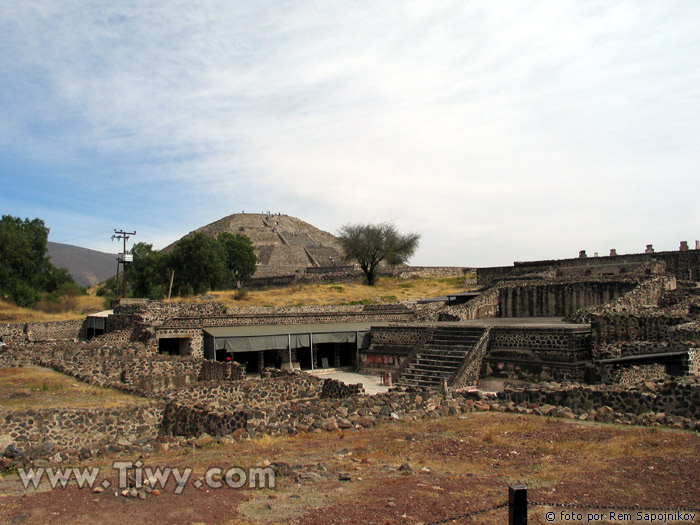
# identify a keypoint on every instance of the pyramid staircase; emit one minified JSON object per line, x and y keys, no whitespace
{"x":447,"y":355}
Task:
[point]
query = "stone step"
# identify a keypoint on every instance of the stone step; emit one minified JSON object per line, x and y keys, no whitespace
{"x":448,"y":348}
{"x":434,"y":363}
{"x":418,"y":382}
{"x":444,"y":347}
{"x":430,"y":372}
{"x":443,"y":337}
{"x":442,"y":356}
{"x":437,"y":364}
{"x":450,"y":344}
{"x":456,"y":335}
{"x":453,"y":354}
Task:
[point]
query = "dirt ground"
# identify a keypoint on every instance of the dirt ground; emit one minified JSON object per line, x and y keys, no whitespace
{"x":406,"y":472}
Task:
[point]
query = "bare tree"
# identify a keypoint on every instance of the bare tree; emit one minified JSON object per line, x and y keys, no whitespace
{"x":371,"y":244}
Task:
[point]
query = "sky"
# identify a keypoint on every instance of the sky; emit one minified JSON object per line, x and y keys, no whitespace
{"x":499,"y":130}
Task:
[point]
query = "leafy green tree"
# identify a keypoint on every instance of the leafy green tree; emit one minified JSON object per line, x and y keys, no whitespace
{"x":372,"y":244}
{"x":148,"y":276}
{"x":25,"y":268}
{"x":199,"y":265}
{"x":239,"y":257}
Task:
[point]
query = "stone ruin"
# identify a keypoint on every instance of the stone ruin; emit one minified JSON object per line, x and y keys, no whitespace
{"x":628,"y":351}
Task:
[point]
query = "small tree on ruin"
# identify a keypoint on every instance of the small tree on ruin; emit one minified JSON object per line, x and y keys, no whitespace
{"x":371,"y":244}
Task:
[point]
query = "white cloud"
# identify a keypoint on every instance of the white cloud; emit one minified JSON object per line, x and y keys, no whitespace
{"x":500,"y":131}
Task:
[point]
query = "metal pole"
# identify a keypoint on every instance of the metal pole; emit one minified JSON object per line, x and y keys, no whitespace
{"x":124,"y":269}
{"x":289,"y":347}
{"x":121,"y":234}
{"x":311,"y":349}
{"x":517,"y":505}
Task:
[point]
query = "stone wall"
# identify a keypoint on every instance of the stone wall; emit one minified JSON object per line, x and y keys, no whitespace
{"x":548,"y":341}
{"x":151,"y":321}
{"x":46,"y":331}
{"x":550,"y":297}
{"x":683,"y":265}
{"x":81,"y":427}
{"x":341,"y":274}
{"x":118,"y":337}
{"x":281,"y":317}
{"x":390,"y":347}
{"x":687,"y":332}
{"x":641,"y":298}
{"x":539,"y":354}
{"x":679,"y":398}
{"x":11,"y":357}
{"x":407,"y":272}
{"x":484,"y":305}
{"x":291,"y":403}
{"x":132,"y":369}
{"x":160,"y":310}
{"x":195,"y":345}
{"x":333,"y":389}
{"x":694,"y":362}
{"x":12,"y":332}
{"x":221,"y":408}
{"x":624,"y":327}
{"x":405,"y":335}
{"x":469,"y":371}
{"x":221,"y":371}
{"x":558,"y":299}
{"x":631,"y":375}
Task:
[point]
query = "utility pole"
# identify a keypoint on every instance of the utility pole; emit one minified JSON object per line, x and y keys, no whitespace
{"x":123,"y":258}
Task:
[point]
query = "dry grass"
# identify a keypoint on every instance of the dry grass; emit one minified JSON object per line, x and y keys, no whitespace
{"x":387,"y":290}
{"x":35,"y":387}
{"x":80,"y":306}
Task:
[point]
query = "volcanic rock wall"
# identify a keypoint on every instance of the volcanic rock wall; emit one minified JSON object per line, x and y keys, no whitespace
{"x":80,"y":427}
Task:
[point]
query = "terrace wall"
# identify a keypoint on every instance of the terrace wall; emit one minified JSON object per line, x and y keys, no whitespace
{"x":684,"y":265}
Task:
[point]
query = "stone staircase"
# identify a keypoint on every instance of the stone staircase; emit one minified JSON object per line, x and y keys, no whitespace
{"x":441,"y":357}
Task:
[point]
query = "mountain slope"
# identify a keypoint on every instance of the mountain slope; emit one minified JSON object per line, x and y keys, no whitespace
{"x":87,"y":267}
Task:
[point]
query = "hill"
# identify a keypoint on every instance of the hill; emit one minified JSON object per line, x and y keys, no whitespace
{"x":87,"y":267}
{"x":284,"y":245}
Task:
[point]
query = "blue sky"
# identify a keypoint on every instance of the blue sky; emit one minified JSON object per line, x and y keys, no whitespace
{"x":499,"y":130}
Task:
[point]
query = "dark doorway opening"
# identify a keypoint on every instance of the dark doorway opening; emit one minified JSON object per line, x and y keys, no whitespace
{"x":326,"y":355}
{"x":93,"y":332}
{"x":304,"y":358}
{"x":272,"y":359}
{"x":174,"y":346}
{"x":249,"y":359}
{"x":347,"y":354}
{"x":337,"y":355}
